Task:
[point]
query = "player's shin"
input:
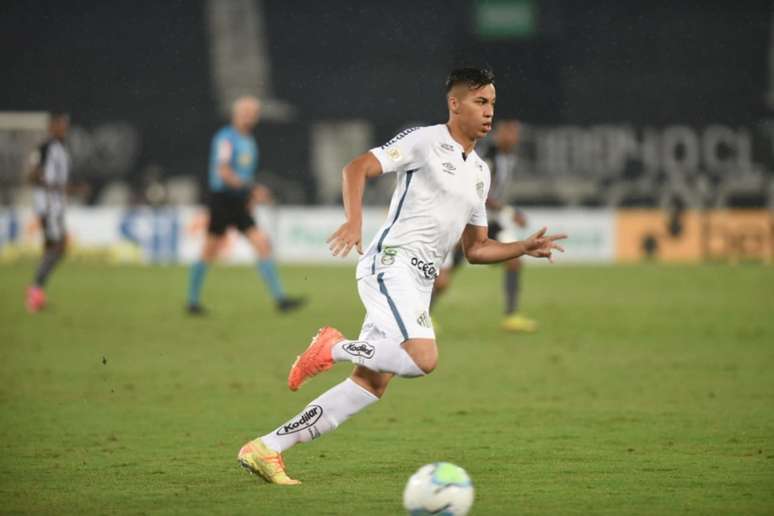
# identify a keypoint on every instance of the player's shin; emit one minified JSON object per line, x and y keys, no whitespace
{"x":195,"y":281}
{"x":321,"y":415}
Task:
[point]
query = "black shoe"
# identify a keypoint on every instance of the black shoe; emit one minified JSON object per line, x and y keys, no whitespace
{"x":291,"y":303}
{"x":196,"y":310}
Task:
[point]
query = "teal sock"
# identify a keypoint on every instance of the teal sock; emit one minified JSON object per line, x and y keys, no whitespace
{"x":195,"y":281}
{"x":269,"y":273}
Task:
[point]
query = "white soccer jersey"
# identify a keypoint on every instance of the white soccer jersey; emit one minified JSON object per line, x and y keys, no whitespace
{"x":55,"y":162}
{"x":438,"y":193}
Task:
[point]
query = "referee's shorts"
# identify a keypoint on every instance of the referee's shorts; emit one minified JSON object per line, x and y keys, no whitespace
{"x":229,"y":209}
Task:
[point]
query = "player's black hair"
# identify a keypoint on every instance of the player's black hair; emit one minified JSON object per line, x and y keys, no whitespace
{"x":472,"y":77}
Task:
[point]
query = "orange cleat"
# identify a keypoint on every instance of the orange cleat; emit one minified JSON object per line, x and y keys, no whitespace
{"x":316,"y":359}
{"x":259,"y":460}
{"x":36,"y":299}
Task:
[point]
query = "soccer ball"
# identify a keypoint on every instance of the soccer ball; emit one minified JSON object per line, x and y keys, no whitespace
{"x":440,"y":488}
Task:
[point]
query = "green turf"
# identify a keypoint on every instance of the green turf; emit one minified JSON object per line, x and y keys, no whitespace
{"x":648,"y":390}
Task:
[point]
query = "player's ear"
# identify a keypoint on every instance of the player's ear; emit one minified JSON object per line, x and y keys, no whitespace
{"x":454,"y":104}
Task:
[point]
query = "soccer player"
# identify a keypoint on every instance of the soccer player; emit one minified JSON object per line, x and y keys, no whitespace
{"x":233,"y":160}
{"x":501,"y":157}
{"x":440,"y":195}
{"x":49,"y":175}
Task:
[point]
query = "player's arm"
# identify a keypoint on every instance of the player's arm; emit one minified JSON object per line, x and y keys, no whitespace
{"x":35,"y":172}
{"x":226,"y":173}
{"x":261,"y":194}
{"x":479,"y":248}
{"x":230,"y":177}
{"x":354,"y":176}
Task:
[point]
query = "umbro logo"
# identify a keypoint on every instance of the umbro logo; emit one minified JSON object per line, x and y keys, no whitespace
{"x":447,"y":147}
{"x":448,"y":168}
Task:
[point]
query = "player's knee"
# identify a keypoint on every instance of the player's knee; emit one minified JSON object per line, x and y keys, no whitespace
{"x":424,"y":353}
{"x":427,"y":363}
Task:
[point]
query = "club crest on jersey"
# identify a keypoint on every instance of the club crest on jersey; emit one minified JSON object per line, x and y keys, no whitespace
{"x":480,"y":189}
{"x":424,"y":320}
{"x":394,"y":153}
{"x":245,"y":159}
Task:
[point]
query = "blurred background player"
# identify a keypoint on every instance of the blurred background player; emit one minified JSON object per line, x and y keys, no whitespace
{"x":501,"y":158}
{"x":233,"y":161}
{"x":49,"y":175}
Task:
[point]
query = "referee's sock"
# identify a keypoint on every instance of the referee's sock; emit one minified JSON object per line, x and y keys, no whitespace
{"x":268,"y":271}
{"x":195,"y":281}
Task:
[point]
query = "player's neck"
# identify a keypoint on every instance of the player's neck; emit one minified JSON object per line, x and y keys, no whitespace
{"x":241,"y":130}
{"x":468,"y":144}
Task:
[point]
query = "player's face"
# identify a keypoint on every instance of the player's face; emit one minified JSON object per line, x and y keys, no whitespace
{"x":507,"y":135}
{"x":60,"y":126}
{"x":246,"y":116}
{"x":475,"y":110}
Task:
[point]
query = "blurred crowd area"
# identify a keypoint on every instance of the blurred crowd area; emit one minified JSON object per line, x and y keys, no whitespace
{"x":636,"y":104}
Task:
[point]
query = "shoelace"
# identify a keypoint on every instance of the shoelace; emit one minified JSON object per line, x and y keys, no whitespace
{"x":276,"y":459}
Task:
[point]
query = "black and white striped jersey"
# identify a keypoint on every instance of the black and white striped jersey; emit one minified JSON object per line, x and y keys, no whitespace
{"x":54,"y":161}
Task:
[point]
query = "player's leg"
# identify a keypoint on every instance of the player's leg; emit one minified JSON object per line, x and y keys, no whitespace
{"x":397,"y":335}
{"x":53,"y":251}
{"x":440,"y":285}
{"x":268,"y":269}
{"x":325,"y":413}
{"x":450,"y":264}
{"x":514,"y":321}
{"x":216,"y":230}
{"x":511,"y":285}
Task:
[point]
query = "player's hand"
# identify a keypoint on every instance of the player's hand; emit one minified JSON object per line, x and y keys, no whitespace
{"x":262,"y":195}
{"x":541,"y":245}
{"x":341,"y":242}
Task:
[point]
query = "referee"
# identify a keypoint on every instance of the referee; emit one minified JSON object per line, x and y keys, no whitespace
{"x":49,"y":176}
{"x":233,"y":160}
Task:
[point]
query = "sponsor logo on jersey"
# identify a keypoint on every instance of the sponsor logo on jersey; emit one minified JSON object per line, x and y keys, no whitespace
{"x":360,"y":349}
{"x":400,"y":136}
{"x":307,"y":419}
{"x":394,"y":153}
{"x":449,"y":168}
{"x":447,"y":147}
{"x":424,"y":320}
{"x":480,"y":189}
{"x":429,"y":270}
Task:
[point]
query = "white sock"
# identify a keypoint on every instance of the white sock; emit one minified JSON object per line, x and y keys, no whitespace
{"x":320,"y":416}
{"x":380,"y":355}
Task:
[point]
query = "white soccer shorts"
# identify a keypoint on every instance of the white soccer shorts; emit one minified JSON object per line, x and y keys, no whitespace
{"x":397,"y":307}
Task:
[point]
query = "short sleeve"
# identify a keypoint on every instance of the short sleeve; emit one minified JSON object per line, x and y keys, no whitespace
{"x":402,"y":152}
{"x":224,"y":149}
{"x":478,"y":217}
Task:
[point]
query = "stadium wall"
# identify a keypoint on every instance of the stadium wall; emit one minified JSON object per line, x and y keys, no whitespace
{"x":175,"y":234}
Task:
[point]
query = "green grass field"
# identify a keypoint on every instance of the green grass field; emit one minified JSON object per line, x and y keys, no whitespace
{"x":648,"y":390}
